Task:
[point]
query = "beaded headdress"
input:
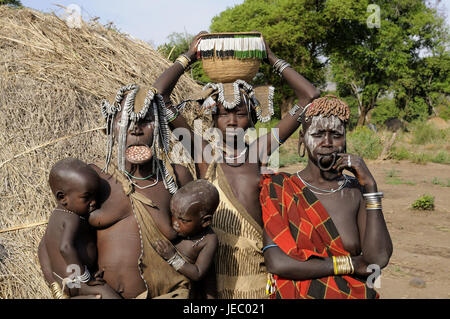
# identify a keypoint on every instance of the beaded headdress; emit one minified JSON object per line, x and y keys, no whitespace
{"x":133,"y":111}
{"x":257,"y":99}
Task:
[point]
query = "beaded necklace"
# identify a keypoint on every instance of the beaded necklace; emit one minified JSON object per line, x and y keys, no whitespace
{"x":70,"y":212}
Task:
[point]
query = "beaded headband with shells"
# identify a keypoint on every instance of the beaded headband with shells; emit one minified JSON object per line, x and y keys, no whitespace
{"x":259,"y":99}
{"x":137,"y":105}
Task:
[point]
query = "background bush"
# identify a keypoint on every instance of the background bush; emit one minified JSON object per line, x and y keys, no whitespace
{"x":364,"y":142}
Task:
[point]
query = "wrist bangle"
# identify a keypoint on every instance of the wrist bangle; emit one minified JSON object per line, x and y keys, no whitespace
{"x":276,"y":137}
{"x":183,"y":60}
{"x":57,"y":292}
{"x":176,"y":261}
{"x":279,"y":66}
{"x":343,"y":265}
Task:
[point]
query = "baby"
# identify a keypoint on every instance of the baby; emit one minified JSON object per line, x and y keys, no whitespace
{"x":192,"y":208}
{"x":67,"y":251}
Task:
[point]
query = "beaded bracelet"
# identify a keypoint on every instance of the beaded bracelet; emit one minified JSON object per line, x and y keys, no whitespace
{"x":171,"y":115}
{"x":276,"y":137}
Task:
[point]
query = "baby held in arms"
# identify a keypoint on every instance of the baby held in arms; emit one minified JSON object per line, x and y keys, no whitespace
{"x":192,"y":208}
{"x":67,"y":251}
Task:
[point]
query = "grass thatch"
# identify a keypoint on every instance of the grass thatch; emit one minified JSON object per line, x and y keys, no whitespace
{"x":52,"y":80}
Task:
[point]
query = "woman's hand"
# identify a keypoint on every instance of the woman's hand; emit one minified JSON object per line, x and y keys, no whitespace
{"x":360,"y":266}
{"x":164,"y":249}
{"x":357,"y":166}
{"x":192,"y":52}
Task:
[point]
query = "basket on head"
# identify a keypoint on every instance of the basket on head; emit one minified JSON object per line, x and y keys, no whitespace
{"x":227,"y":57}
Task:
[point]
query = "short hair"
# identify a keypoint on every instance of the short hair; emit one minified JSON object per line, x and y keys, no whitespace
{"x":57,"y":180}
{"x":205,"y":192}
{"x":327,"y":106}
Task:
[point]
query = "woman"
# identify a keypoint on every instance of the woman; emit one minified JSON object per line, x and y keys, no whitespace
{"x":239,"y":263}
{"x":322,"y":229}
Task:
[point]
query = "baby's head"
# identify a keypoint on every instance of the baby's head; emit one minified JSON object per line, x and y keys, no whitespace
{"x":193,"y":206}
{"x":75,"y":185}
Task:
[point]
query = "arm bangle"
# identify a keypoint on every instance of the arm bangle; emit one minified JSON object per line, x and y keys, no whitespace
{"x":176,"y":261}
{"x":183,"y":60}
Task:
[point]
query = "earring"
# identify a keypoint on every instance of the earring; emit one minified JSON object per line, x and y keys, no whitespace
{"x":303,"y":153}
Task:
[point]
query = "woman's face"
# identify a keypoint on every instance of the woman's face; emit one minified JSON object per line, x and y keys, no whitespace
{"x":139,"y":139}
{"x":232,"y":122}
{"x":324,"y":136}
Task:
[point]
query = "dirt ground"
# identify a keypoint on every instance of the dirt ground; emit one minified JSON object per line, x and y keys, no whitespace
{"x":419,"y":266}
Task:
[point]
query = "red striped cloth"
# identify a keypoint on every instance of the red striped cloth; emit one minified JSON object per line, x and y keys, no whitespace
{"x":301,"y":227}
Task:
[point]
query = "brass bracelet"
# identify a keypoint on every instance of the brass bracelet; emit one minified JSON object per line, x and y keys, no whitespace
{"x":373,"y":206}
{"x":183,"y":60}
{"x":57,"y":292}
{"x":343,"y":265}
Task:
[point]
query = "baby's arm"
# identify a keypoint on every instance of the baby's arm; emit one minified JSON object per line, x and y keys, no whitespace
{"x":67,"y":247}
{"x":204,"y":259}
{"x":44,"y":261}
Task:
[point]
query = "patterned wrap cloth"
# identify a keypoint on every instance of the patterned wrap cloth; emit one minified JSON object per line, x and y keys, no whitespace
{"x":239,"y":262}
{"x":301,"y":227}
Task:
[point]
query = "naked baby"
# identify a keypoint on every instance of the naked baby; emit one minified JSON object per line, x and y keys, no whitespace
{"x":67,"y":251}
{"x":192,"y":208}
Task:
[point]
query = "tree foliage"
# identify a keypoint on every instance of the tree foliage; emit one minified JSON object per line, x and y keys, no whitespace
{"x":179,"y":43}
{"x":406,"y":58}
{"x":374,"y":61}
{"x":293,"y":29}
{"x":13,"y":3}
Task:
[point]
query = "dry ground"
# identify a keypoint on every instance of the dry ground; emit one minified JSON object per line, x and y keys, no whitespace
{"x":421,"y":239}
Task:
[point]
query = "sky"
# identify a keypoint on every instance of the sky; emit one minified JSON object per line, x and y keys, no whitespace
{"x":148,"y":20}
{"x":154,"y":20}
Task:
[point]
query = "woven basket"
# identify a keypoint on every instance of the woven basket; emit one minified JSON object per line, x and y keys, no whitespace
{"x":230,"y":70}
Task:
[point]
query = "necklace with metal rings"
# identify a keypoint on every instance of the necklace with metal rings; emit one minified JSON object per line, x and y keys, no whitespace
{"x":144,"y":187}
{"x":138,"y":178}
{"x":236,"y":157}
{"x":324,"y":191}
{"x":238,"y":164}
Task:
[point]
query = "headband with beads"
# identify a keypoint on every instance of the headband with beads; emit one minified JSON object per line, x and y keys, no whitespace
{"x":238,"y":85}
{"x":154,"y":103}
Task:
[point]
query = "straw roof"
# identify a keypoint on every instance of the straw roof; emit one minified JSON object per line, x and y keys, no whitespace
{"x":52,"y":80}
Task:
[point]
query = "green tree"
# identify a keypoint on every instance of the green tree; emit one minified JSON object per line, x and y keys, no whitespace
{"x":178,"y":44}
{"x":294,"y":30}
{"x":13,"y":3}
{"x":372,"y":61}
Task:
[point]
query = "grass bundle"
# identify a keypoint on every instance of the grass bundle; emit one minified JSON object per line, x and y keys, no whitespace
{"x":52,"y":81}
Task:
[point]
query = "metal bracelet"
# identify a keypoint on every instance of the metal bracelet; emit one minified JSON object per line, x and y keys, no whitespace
{"x":176,"y":261}
{"x":378,"y":194}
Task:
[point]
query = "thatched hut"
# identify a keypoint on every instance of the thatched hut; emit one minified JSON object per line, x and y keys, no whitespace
{"x":52,"y":80}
